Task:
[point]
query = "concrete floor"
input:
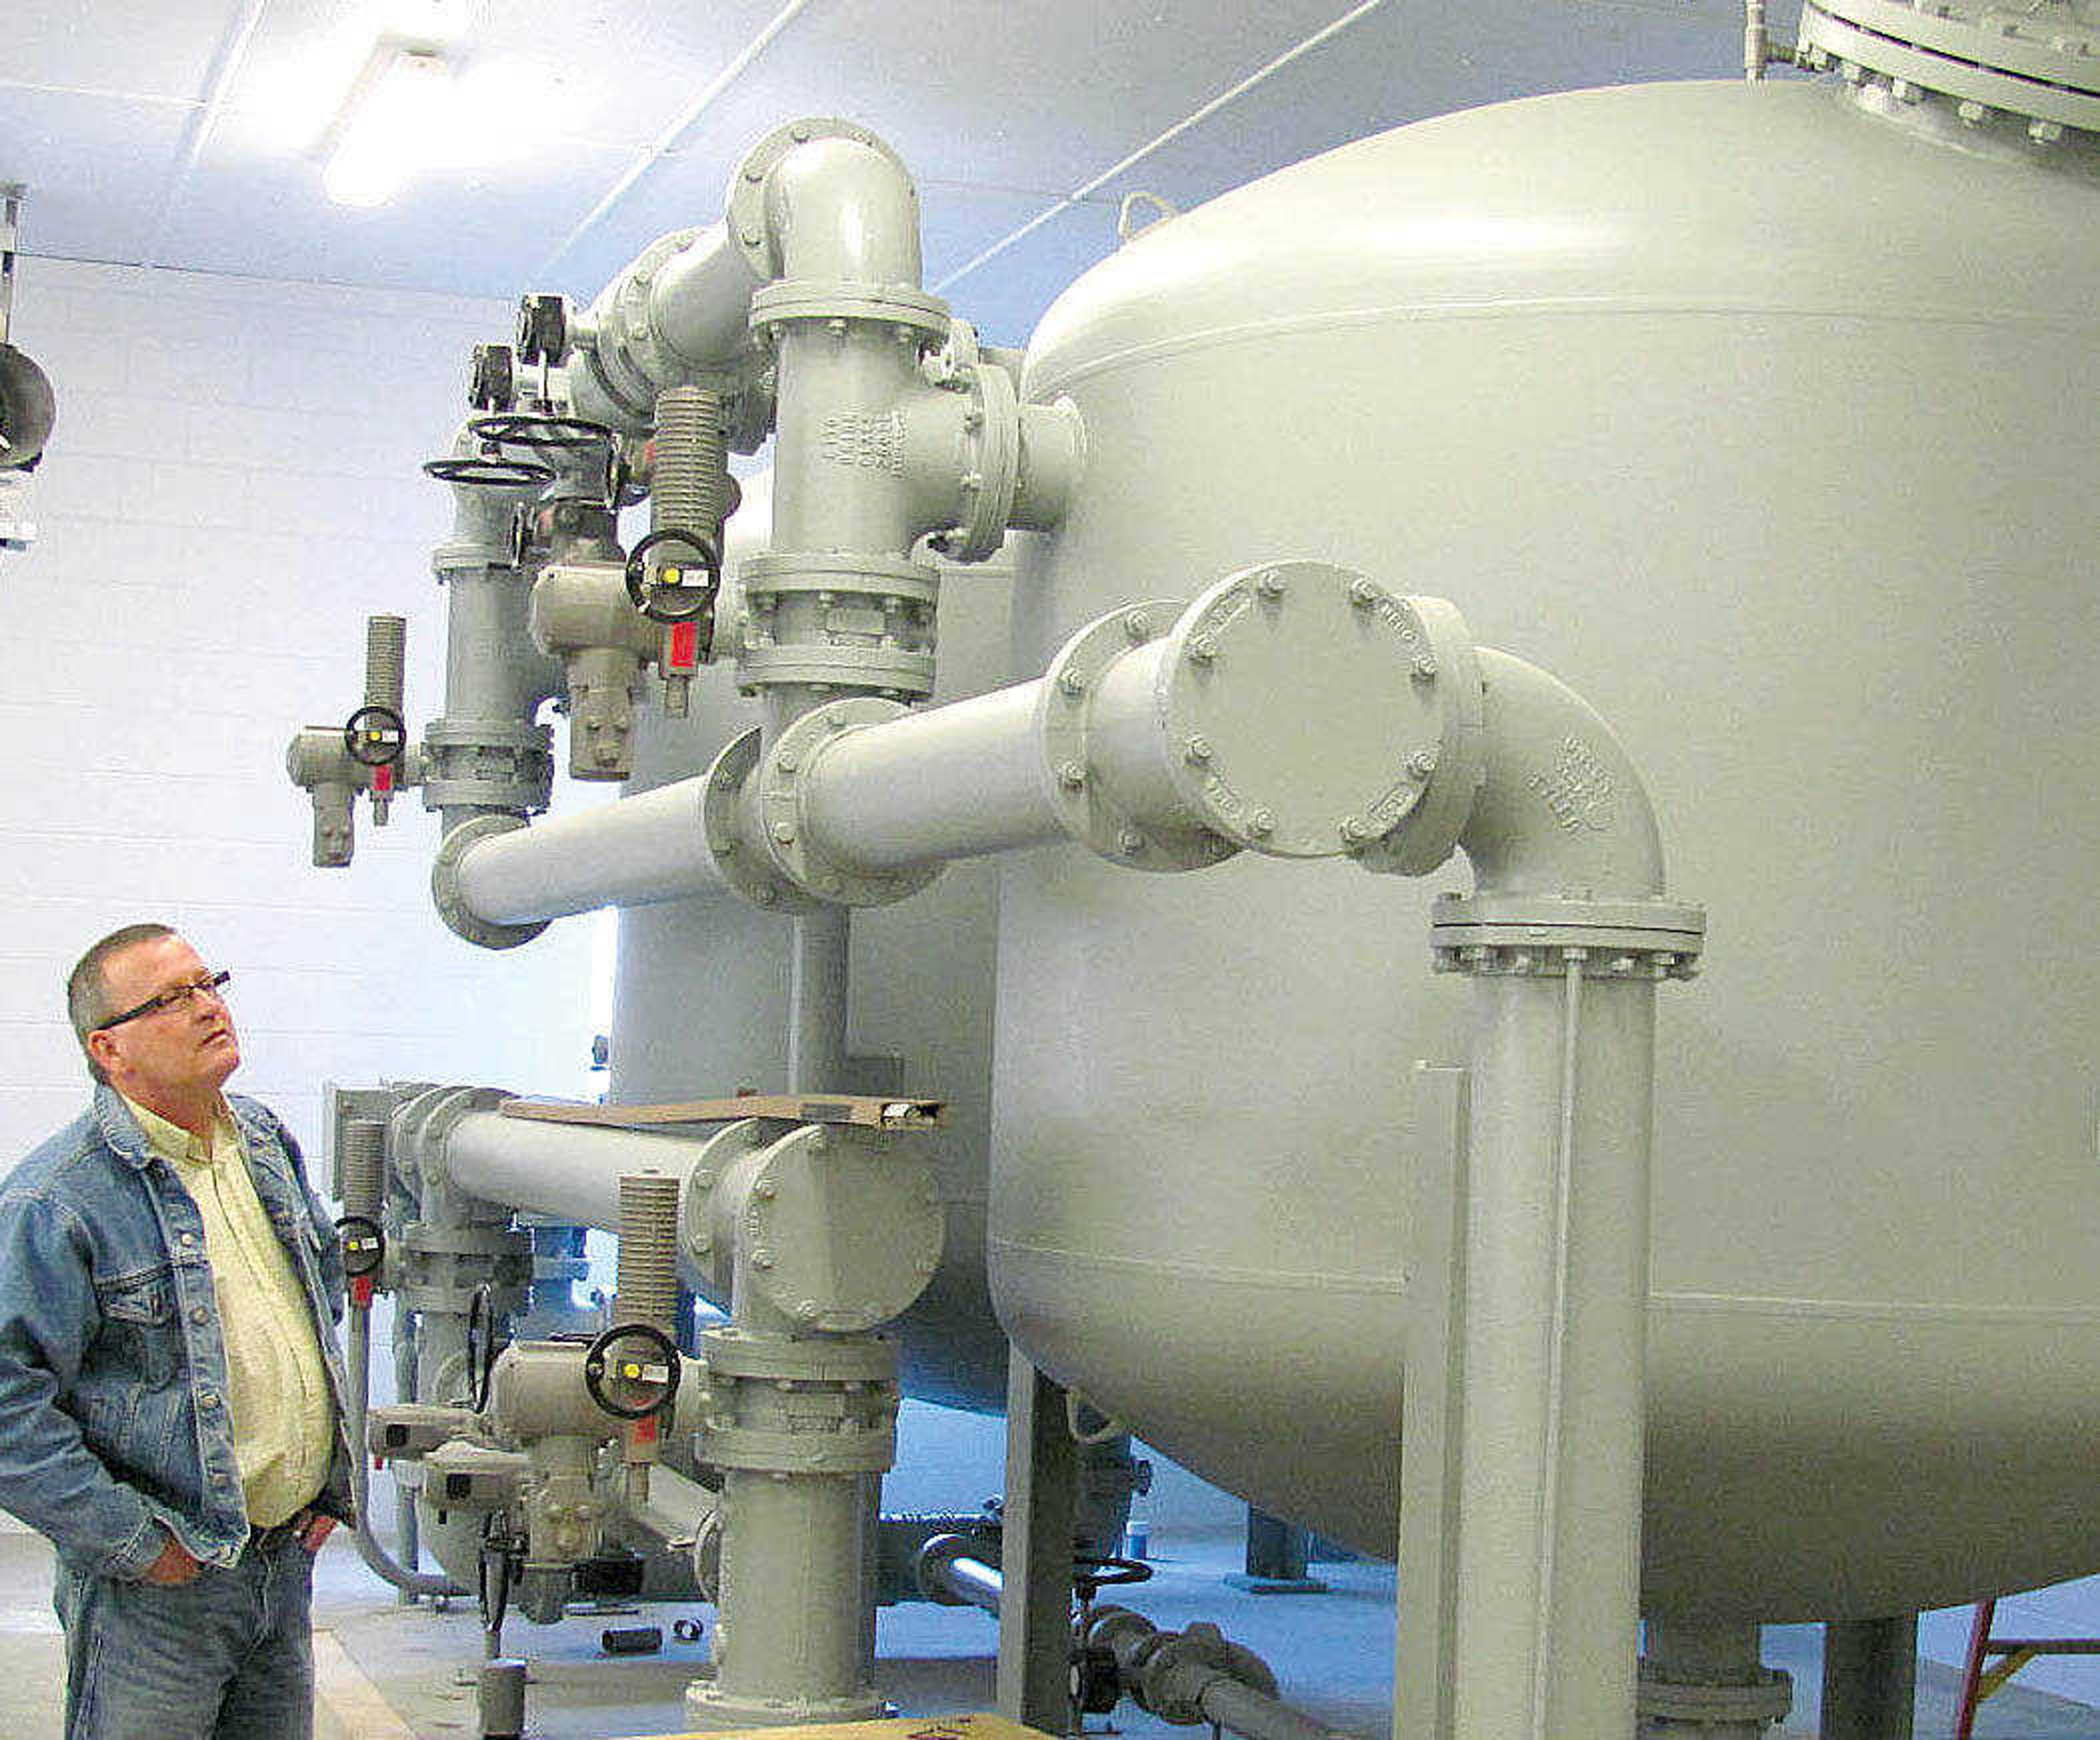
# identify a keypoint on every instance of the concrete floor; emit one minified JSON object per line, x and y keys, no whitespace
{"x":390,"y":1673}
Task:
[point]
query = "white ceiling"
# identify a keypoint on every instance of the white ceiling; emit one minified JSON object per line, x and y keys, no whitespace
{"x":181,"y":133}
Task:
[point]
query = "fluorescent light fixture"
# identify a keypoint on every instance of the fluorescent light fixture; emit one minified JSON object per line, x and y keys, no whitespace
{"x":398,"y":118}
{"x":427,"y":22}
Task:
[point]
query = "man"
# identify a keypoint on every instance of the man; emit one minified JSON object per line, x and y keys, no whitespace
{"x":170,"y":1394}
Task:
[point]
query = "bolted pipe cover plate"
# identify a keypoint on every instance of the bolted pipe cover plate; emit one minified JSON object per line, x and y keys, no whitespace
{"x":851,"y":1226}
{"x":1313,"y":705}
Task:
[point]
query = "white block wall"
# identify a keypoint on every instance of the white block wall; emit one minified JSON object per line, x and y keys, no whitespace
{"x":232,"y":489}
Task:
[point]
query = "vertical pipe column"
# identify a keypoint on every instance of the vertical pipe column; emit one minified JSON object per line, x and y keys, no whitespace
{"x":830,"y":1233}
{"x":1870,"y":1678}
{"x":1556,"y":1289}
{"x":817,"y":1002}
{"x":1705,"y":1682}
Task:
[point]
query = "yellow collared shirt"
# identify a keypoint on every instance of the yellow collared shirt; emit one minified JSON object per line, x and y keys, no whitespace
{"x":282,"y":1419}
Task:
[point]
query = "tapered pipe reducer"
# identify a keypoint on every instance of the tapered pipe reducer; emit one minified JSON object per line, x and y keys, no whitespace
{"x":1298,"y":708}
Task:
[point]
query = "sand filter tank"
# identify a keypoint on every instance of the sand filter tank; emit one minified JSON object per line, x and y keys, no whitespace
{"x":1762,"y":415}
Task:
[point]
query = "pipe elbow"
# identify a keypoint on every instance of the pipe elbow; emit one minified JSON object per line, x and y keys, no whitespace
{"x":843,"y":210}
{"x":1561,"y":811}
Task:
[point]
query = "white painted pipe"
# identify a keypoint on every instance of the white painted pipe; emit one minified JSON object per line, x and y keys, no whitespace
{"x":958,"y":781}
{"x":699,"y":301}
{"x":634,"y":852}
{"x":817,"y":1002}
{"x":791,"y":1585}
{"x":840,"y":211}
{"x":1556,"y":1283}
{"x":1562,"y":810}
{"x":570,"y":1172}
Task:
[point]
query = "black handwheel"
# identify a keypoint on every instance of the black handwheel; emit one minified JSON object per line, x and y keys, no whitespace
{"x":632,"y":1384}
{"x":1100,"y":1570}
{"x":541,"y":430}
{"x":490,"y":473}
{"x":649,"y":599}
{"x":364,"y":1246}
{"x":375,"y":736}
{"x":480,"y":1345}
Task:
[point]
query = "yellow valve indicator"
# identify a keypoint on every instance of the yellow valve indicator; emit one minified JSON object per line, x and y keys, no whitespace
{"x":671,"y":576}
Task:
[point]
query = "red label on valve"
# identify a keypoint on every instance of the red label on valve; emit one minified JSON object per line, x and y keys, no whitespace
{"x":643,"y":1431}
{"x":361,"y":1293}
{"x":382,"y":778}
{"x":684,"y":659}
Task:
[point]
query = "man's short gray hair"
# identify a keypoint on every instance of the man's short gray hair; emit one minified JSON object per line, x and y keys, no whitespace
{"x":87,"y":985}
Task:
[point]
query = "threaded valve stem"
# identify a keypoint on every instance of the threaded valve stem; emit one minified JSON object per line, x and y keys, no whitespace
{"x":363,"y":1169}
{"x":648,"y":1277}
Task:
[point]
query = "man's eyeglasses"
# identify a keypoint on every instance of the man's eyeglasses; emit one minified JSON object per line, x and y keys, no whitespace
{"x":210,"y":985}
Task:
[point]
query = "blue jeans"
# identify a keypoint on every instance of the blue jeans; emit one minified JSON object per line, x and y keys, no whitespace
{"x":228,"y":1656}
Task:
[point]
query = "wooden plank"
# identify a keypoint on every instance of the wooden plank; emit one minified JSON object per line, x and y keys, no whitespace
{"x":869,"y":1111}
{"x":348,"y":1706}
{"x":972,"y":1727}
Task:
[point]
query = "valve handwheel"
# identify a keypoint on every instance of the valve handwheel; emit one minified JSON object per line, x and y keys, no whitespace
{"x":364,"y":1246}
{"x":1094,"y":1572}
{"x":375,"y":736}
{"x":536,"y":430}
{"x":631,"y":1371}
{"x":490,"y":473}
{"x":649,"y":597}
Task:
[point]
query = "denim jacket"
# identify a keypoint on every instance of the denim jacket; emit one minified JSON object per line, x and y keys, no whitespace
{"x":113,"y":1421}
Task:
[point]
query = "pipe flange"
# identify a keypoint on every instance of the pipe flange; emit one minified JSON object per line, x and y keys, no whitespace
{"x":877,"y":631}
{"x":750,"y":872}
{"x":624,"y":357}
{"x":1520,"y":934}
{"x":913,"y":311}
{"x":419,"y":1124}
{"x":478,"y":745}
{"x":1085,"y":809}
{"x":777,"y":573}
{"x":744,"y":204}
{"x":721,"y":1151}
{"x":1764,"y":1702}
{"x":1175,"y":1669}
{"x":708,"y":1705}
{"x":991,"y":479}
{"x":733,"y":1353}
{"x":840,"y":1230}
{"x":901,"y":677}
{"x":1385,"y":719}
{"x":2043,"y":66}
{"x":784,"y":827}
{"x":445,"y":890}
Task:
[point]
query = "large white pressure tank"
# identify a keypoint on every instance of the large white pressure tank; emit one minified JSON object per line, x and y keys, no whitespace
{"x":1765,"y":419}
